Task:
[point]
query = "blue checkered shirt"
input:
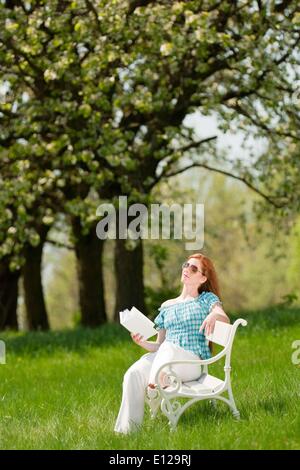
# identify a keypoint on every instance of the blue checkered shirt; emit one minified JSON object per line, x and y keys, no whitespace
{"x":182,"y":321}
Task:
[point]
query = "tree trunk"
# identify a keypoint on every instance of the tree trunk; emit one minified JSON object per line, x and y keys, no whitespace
{"x":8,"y":297}
{"x":89,"y":250}
{"x":129,"y":277}
{"x":36,"y":312}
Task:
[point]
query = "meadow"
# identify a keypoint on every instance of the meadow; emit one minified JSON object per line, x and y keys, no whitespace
{"x":62,"y":390}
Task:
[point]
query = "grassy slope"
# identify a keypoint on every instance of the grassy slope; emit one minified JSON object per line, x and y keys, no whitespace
{"x":62,"y":390}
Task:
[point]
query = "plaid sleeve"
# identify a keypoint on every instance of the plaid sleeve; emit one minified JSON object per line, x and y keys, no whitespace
{"x":159,"y":320}
{"x":210,"y":300}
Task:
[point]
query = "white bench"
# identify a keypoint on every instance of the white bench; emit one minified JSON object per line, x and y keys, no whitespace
{"x":206,"y":387}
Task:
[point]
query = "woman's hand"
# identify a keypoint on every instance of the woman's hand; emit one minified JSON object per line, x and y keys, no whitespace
{"x":138,"y":339}
{"x":149,"y":345}
{"x":208,"y":324}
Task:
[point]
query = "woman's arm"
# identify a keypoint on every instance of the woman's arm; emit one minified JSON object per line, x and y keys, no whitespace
{"x":217,"y":313}
{"x":151,"y":346}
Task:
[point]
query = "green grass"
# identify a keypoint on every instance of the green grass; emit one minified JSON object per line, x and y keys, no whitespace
{"x":62,"y":390}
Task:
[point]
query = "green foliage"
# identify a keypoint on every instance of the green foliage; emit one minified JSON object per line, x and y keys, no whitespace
{"x":155,"y":297}
{"x":94,"y":94}
{"x":289,"y":299}
{"x":294,"y":255}
{"x":281,"y":163}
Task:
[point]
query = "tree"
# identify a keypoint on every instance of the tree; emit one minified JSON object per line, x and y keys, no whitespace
{"x":109,"y":84}
{"x":88,"y":250}
{"x":8,"y":296}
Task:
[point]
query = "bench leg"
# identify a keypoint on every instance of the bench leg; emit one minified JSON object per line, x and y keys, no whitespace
{"x":235,"y":411}
{"x":154,"y":400}
{"x":172,"y":409}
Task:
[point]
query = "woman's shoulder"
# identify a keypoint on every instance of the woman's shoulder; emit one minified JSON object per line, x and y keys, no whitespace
{"x":209,"y":300}
{"x":179,"y":301}
{"x":169,"y":302}
{"x":207,"y":296}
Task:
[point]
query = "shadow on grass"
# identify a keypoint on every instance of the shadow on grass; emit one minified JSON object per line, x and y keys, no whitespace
{"x":203,"y":412}
{"x":78,"y":340}
{"x":273,"y":405}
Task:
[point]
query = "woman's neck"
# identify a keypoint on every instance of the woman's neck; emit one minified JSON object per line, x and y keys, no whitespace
{"x":188,"y":292}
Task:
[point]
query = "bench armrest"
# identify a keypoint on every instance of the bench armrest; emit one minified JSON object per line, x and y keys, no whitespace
{"x":201,"y":362}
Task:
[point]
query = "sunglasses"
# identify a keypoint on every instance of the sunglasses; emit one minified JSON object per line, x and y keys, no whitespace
{"x":193,"y":268}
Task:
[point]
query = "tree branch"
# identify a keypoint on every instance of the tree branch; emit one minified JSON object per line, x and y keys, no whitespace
{"x":193,"y":145}
{"x":270,"y":199}
{"x":93,"y":10}
{"x":60,"y":244}
{"x":257,"y":122}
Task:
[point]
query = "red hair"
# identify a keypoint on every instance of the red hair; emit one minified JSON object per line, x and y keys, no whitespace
{"x":211,"y":284}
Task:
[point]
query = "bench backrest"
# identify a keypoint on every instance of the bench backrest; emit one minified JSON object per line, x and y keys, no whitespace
{"x":221,"y":333}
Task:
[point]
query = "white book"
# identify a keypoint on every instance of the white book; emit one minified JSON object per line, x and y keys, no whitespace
{"x":136,"y":322}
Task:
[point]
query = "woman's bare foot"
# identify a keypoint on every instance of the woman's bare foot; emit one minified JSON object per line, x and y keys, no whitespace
{"x":155,"y":386}
{"x":152,"y":385}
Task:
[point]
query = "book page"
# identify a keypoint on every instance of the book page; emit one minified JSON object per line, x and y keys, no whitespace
{"x":136,"y":322}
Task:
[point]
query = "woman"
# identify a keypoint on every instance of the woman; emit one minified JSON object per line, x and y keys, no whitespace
{"x":182,"y":325}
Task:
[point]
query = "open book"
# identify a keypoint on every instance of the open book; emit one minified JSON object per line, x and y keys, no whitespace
{"x":136,"y":322}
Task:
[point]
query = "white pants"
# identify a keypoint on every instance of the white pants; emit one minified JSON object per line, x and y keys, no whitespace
{"x":143,"y":372}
